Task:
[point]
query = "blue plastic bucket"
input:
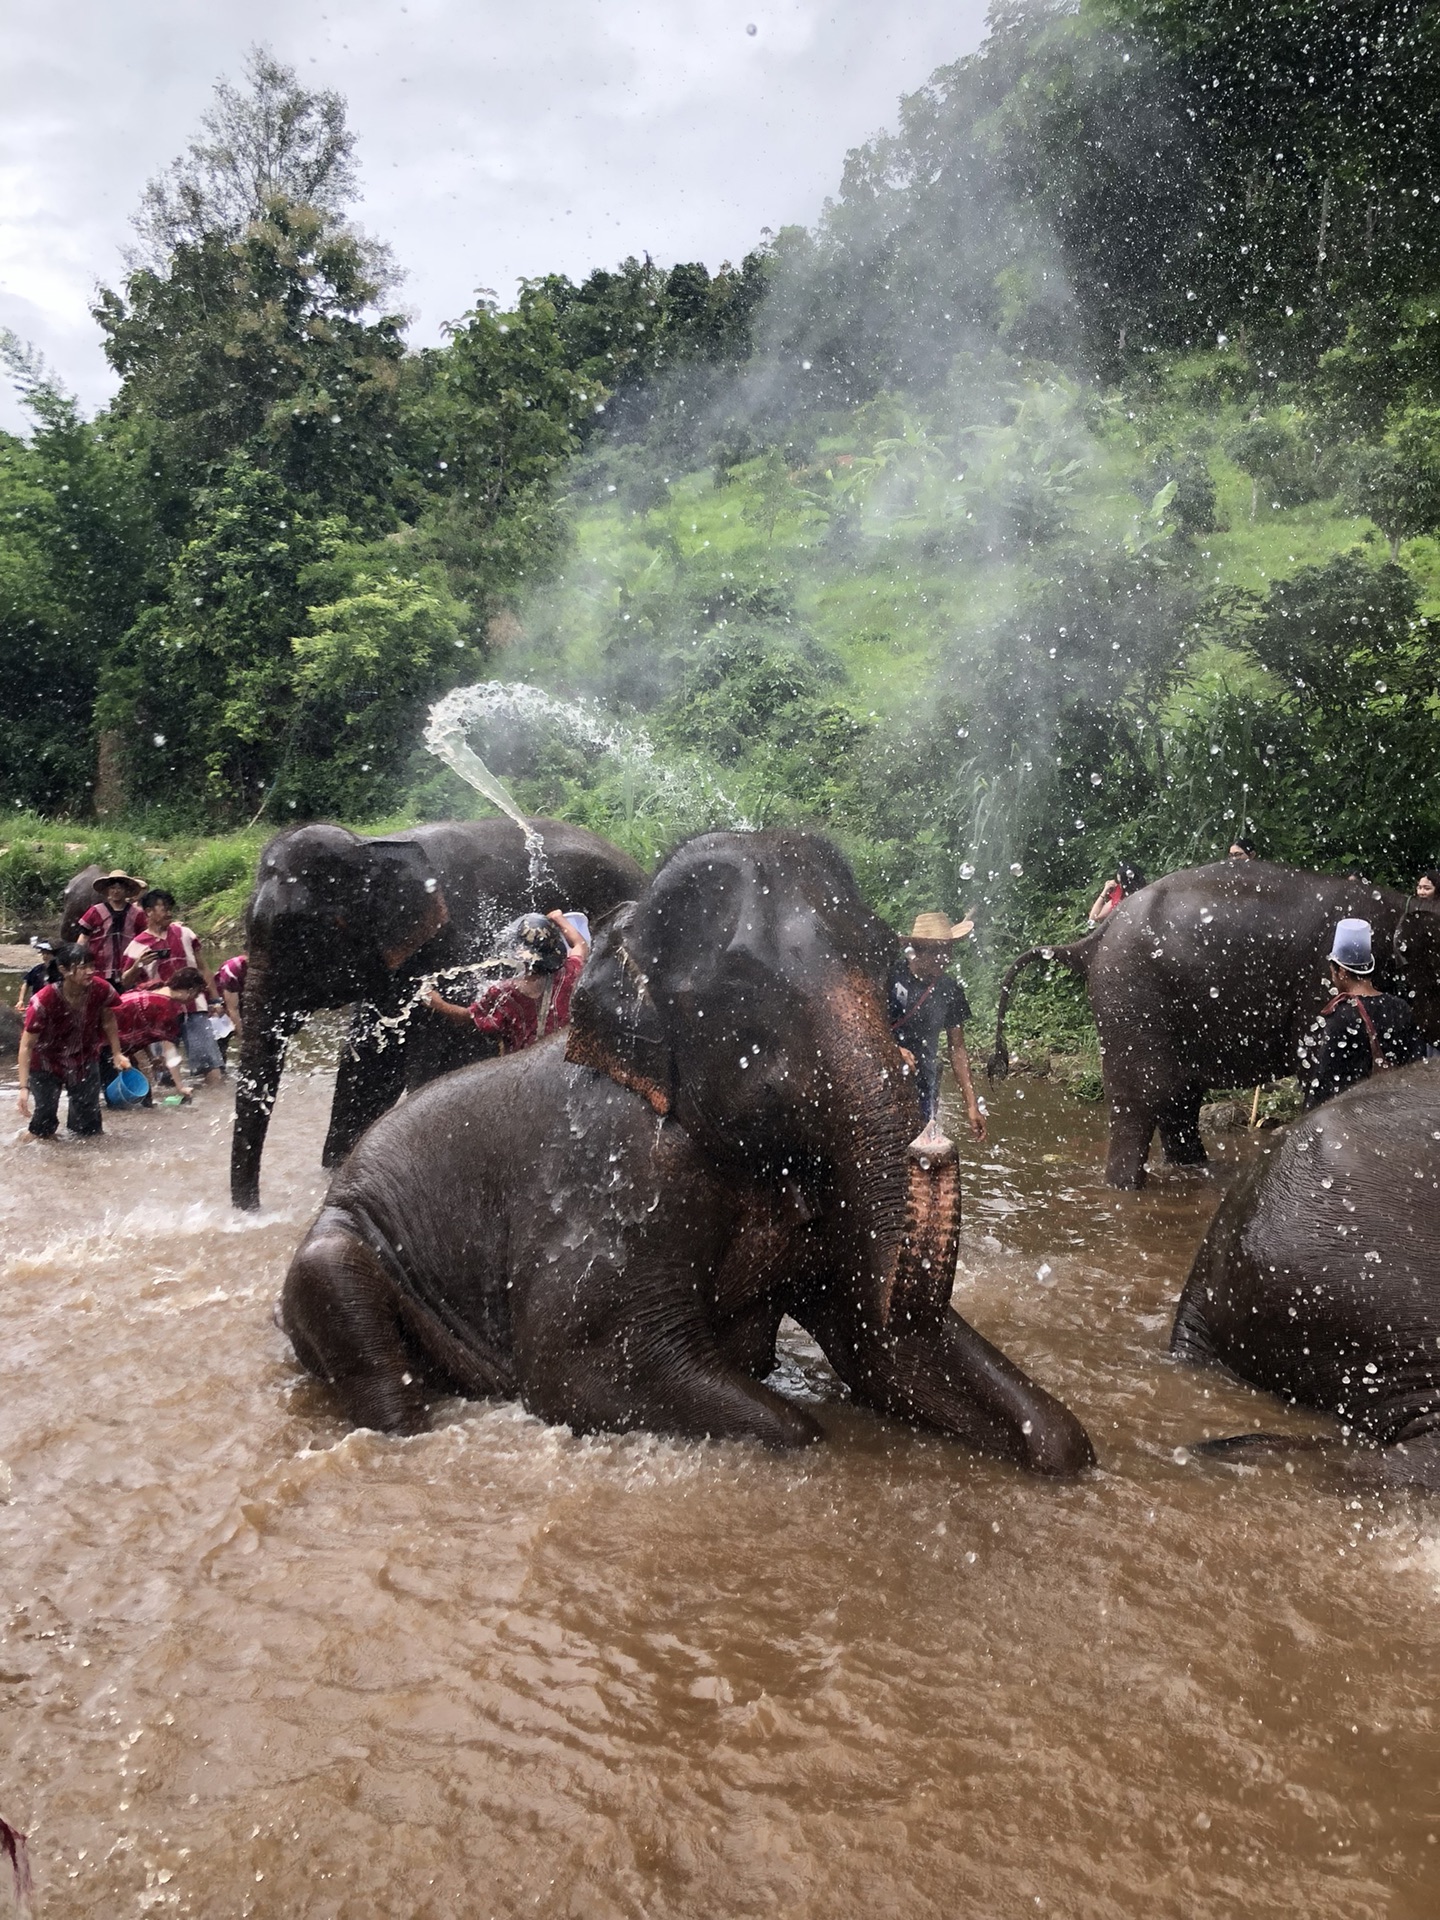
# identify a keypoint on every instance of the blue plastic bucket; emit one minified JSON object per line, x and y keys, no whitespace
{"x":127,"y":1089}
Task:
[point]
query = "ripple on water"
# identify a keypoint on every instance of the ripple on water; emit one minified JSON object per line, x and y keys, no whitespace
{"x":256,"y":1664}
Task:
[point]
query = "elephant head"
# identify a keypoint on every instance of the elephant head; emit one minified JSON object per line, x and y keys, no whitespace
{"x":745,"y":996}
{"x":332,"y":918}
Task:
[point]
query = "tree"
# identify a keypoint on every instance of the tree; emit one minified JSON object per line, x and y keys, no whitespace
{"x":1397,"y":484}
{"x":77,"y":551}
{"x":275,"y":140}
{"x":259,"y":342}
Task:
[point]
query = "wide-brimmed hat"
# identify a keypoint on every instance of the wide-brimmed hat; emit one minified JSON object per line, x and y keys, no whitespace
{"x":936,"y":928}
{"x":1352,"y":949}
{"x":119,"y":878}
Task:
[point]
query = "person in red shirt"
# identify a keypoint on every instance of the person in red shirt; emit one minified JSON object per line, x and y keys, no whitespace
{"x":551,"y":954}
{"x":112,"y":923}
{"x":67,"y":1028}
{"x":149,"y":1019}
{"x":1128,"y":879}
{"x":153,"y":958}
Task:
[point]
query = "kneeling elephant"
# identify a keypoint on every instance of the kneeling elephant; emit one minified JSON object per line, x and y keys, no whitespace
{"x":610,"y":1225}
{"x":1320,"y":1275}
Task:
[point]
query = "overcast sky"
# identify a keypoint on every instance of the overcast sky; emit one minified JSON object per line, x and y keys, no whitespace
{"x":495,"y":140}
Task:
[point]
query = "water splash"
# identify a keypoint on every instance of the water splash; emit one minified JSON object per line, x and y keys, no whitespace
{"x":445,"y":738}
{"x":513,"y":708}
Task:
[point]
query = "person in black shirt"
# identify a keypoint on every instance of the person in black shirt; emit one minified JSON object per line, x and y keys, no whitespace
{"x":927,"y":1002}
{"x":1361,"y":1029}
{"x":45,"y":973}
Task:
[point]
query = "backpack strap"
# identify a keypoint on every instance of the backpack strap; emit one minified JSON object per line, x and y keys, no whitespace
{"x":1367,"y":1020}
{"x":910,"y":1012}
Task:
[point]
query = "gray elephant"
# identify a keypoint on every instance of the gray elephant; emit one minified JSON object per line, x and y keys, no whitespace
{"x":1320,"y":1276}
{"x":610,"y":1226}
{"x":1209,"y":978}
{"x":338,"y":919}
{"x":79,"y":895}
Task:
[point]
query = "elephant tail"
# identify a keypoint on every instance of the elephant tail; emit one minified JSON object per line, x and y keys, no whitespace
{"x":1076,"y":956}
{"x":1402,"y":1463}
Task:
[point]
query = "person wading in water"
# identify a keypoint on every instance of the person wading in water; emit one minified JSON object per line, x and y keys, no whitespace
{"x":1358,"y":1031}
{"x":536,"y":1002}
{"x":67,"y":1029}
{"x":926,"y":1002}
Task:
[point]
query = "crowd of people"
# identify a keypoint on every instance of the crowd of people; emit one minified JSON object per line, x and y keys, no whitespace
{"x":133,"y":992}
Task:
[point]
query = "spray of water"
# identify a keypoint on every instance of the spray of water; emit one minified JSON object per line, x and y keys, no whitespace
{"x":686,"y":793}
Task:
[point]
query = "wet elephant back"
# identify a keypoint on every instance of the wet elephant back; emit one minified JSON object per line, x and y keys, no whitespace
{"x":485,"y":870}
{"x":1319,"y":1276}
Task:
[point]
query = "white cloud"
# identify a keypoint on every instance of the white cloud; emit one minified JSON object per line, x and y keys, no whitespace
{"x":495,"y":141}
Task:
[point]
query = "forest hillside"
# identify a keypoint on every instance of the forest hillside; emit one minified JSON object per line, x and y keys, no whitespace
{"x":1070,"y":493}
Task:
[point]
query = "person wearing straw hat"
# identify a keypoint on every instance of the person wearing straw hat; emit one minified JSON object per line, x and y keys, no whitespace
{"x":1361,"y":1029}
{"x":108,"y":927}
{"x":926,"y":1002}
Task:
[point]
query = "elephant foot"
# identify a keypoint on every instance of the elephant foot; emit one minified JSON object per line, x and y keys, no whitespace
{"x":950,"y":1378}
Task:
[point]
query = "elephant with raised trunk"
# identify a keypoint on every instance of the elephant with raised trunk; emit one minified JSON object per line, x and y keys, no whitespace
{"x":1320,"y":1276}
{"x":338,"y":919}
{"x":611,"y":1224}
{"x":1210,"y":977}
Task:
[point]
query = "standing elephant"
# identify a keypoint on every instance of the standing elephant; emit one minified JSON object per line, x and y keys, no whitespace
{"x":1320,"y":1275}
{"x":611,"y":1224}
{"x":79,"y":896}
{"x":337,"y":918}
{"x":1209,"y":978}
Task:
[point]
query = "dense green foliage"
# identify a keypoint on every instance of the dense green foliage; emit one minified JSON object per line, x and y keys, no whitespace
{"x":1069,"y":493}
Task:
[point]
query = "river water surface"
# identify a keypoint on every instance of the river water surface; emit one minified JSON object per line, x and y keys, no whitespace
{"x":252,"y":1665}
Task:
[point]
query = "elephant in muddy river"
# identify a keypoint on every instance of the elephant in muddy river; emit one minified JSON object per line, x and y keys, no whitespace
{"x":611,"y":1224}
{"x":1320,"y":1276}
{"x":1209,"y":978}
{"x":337,"y":919}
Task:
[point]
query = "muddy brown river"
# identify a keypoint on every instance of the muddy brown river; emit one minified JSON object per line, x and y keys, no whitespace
{"x":252,"y":1665}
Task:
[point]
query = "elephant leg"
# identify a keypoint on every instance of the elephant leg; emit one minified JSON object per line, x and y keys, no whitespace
{"x":1180,"y":1130}
{"x":340,"y":1309}
{"x":1132,"y":1122}
{"x":943,"y":1374}
{"x":370,"y":1080}
{"x":694,"y":1395}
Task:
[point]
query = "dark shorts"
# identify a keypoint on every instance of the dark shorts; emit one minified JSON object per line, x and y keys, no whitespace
{"x":82,"y":1113}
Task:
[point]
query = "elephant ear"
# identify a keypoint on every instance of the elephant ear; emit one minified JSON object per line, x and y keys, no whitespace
{"x":615,"y":1027}
{"x":404,"y":902}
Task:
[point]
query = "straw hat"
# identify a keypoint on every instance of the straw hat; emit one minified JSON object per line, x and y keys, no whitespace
{"x":935,"y":928}
{"x":118,"y":877}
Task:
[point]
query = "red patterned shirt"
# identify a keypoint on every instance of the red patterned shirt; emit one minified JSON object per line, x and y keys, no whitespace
{"x":108,"y":934}
{"x":165,"y":954}
{"x":68,"y":1038}
{"x":514,"y":1018}
{"x":143,"y":1017}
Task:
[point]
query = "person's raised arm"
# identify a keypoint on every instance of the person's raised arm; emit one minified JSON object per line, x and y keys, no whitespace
{"x":574,"y":940}
{"x":439,"y":1004}
{"x":960,"y":1067}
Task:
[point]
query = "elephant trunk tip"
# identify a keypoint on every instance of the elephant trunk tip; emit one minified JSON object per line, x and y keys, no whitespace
{"x":997,"y":1067}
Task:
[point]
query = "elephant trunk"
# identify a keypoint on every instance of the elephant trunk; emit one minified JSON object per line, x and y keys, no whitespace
{"x":900,"y":1198}
{"x":892,"y":1334}
{"x":262,"y":1055}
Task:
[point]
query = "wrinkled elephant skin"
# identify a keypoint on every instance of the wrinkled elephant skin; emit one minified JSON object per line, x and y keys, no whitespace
{"x":1210,"y":977}
{"x":338,"y":919}
{"x":1320,"y":1276}
{"x":611,"y":1224}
